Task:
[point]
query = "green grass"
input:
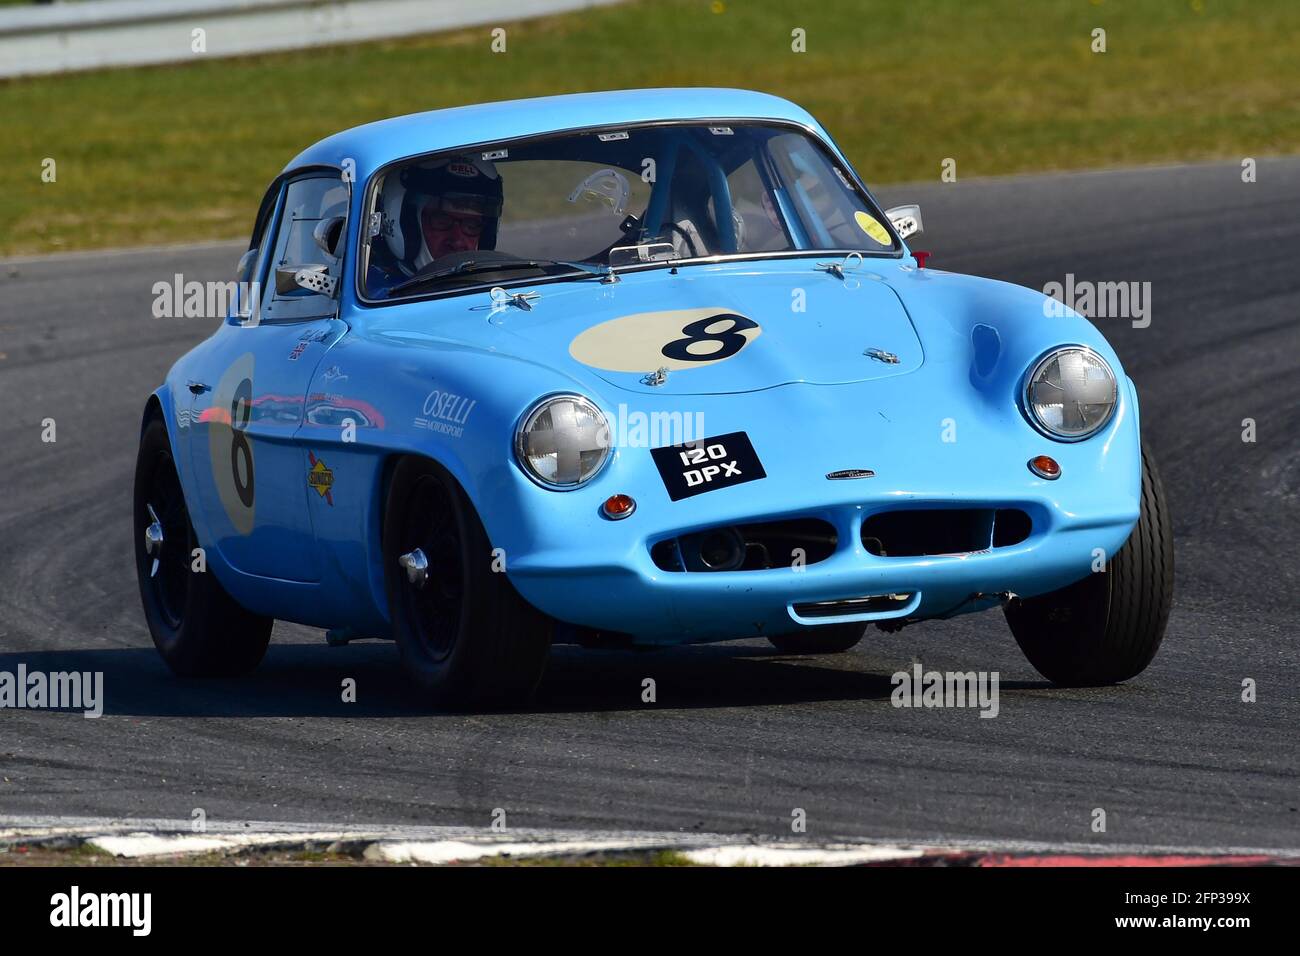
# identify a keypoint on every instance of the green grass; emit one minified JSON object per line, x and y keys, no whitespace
{"x":1002,"y":86}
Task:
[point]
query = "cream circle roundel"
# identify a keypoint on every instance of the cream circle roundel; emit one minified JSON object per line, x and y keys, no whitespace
{"x":231,"y":453}
{"x":676,"y":339}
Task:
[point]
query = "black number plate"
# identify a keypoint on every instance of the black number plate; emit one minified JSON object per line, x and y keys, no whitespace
{"x":707,"y":464}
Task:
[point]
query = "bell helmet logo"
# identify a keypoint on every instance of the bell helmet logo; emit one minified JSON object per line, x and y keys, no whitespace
{"x":466,"y":170}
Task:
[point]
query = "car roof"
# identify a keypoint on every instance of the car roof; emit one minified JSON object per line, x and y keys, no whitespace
{"x":377,"y":144}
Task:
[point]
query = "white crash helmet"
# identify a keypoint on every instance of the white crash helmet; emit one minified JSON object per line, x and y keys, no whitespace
{"x":457,"y":182}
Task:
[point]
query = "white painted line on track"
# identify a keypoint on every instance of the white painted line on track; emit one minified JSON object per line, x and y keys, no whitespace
{"x":795,"y":855}
{"x":142,"y":839}
{"x":461,"y":851}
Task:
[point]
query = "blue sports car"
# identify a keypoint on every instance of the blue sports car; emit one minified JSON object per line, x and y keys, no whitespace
{"x":638,"y":368}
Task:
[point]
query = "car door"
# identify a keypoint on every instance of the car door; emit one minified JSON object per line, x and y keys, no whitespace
{"x":253,"y":478}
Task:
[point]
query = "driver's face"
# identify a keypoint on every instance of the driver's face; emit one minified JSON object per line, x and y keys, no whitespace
{"x":446,"y":232}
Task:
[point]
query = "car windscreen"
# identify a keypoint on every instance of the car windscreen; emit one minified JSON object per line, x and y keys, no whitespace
{"x":574,"y":202}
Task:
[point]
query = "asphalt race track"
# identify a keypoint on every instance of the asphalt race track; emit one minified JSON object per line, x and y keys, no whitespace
{"x":740,"y":735}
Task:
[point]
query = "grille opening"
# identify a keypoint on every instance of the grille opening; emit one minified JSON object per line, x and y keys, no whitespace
{"x":748,"y":547}
{"x":941,"y":531}
{"x":1010,"y":526}
{"x":664,"y":555}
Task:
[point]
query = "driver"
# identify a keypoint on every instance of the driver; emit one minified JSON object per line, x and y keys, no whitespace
{"x":451,"y":205}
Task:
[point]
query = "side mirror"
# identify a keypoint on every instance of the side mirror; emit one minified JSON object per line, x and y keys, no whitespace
{"x":329,"y":236}
{"x":906,"y":220}
{"x":244,"y":271}
{"x":314,"y":279}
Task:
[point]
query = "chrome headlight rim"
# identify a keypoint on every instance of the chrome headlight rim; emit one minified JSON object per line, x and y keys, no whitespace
{"x":1027,"y":404}
{"x":530,"y":416}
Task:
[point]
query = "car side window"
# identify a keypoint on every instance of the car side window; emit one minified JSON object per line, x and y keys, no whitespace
{"x":307,"y":202}
{"x":252,"y":265}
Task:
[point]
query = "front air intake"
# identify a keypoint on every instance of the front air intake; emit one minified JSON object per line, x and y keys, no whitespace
{"x":796,"y":542}
{"x":918,"y":532}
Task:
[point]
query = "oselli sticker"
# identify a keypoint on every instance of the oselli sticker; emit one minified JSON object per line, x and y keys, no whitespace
{"x":872,"y":227}
{"x":676,"y":339}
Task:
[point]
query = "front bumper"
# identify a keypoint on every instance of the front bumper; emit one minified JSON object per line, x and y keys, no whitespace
{"x":630,"y":594}
{"x":591,"y":572}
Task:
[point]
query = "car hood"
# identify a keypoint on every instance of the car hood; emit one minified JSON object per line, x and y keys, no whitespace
{"x":726,"y":328}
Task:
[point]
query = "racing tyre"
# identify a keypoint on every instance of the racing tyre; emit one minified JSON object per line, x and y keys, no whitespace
{"x":827,"y":639}
{"x":1107,"y":627}
{"x":465,"y":635}
{"x":197,"y":627}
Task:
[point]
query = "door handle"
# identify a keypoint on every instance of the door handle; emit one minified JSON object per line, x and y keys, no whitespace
{"x":198,"y":388}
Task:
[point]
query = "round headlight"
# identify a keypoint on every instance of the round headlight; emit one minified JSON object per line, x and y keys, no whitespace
{"x":563,"y":441}
{"x":1070,"y":393}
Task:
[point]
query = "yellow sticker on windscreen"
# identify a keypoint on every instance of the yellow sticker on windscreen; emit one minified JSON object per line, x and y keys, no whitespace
{"x":872,"y":228}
